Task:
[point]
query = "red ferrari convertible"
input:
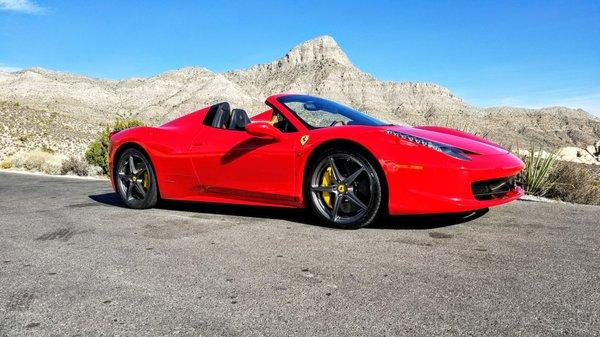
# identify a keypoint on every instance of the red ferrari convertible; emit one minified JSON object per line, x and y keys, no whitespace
{"x":310,"y":152}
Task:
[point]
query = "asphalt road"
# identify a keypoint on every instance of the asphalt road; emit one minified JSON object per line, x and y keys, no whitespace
{"x":74,"y":261}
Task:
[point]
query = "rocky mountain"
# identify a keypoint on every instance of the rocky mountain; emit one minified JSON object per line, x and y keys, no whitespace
{"x":62,"y":111}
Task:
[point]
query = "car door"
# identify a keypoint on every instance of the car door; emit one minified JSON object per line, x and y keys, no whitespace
{"x":233,"y":164}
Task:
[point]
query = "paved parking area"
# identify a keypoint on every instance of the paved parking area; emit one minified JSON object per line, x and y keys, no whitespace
{"x":73,"y":261}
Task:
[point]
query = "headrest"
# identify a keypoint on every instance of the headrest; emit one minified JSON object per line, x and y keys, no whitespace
{"x":239,"y":119}
{"x":222,"y":114}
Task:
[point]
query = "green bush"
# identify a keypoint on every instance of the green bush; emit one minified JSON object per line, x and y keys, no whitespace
{"x":535,"y":177}
{"x":97,"y":152}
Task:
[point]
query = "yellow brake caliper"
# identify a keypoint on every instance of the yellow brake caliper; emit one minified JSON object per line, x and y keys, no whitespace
{"x":324,"y":183}
{"x":146,"y":180}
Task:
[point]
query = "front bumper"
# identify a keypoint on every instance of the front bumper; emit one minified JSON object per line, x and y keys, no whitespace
{"x":444,"y":188}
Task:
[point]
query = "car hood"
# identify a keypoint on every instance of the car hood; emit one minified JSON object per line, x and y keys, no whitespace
{"x":470,"y":145}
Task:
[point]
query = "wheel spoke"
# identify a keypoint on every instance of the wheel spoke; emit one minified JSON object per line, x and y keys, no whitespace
{"x":336,"y":174}
{"x":129,"y":190}
{"x":354,"y":199}
{"x":132,"y":169}
{"x":353,"y":176}
{"x":140,"y":188}
{"x":336,"y":207}
{"x":329,"y":189}
{"x":123,"y":177}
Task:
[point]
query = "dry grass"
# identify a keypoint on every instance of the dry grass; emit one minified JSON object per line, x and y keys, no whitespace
{"x":76,"y":166}
{"x":577,"y":183}
{"x":41,"y":160}
{"x":38,"y":160}
{"x":5,"y":164}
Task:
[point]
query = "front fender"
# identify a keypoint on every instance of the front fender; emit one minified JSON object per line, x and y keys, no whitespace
{"x":458,"y":133}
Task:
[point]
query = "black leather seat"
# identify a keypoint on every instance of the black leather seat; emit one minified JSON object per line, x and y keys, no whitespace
{"x":239,"y":119}
{"x":222,"y":116}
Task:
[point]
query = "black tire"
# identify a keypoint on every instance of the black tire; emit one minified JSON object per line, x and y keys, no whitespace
{"x":136,"y":181}
{"x":349,"y":201}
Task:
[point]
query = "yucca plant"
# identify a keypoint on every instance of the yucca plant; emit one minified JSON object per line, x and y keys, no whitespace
{"x":535,"y":177}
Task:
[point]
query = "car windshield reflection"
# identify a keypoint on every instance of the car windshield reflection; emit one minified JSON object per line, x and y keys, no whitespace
{"x":317,"y":112}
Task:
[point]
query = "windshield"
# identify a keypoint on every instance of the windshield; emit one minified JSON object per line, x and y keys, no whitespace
{"x":318,"y":112}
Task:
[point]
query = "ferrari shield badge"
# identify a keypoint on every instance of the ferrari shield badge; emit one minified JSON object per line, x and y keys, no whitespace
{"x":304,"y":139}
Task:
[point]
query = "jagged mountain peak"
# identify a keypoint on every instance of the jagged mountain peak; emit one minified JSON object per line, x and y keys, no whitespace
{"x":318,"y":49}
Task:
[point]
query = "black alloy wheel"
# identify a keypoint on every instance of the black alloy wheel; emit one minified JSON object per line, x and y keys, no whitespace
{"x":344,"y":189}
{"x":135,"y":179}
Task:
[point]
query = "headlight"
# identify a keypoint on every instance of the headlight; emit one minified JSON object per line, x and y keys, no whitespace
{"x":447,"y":149}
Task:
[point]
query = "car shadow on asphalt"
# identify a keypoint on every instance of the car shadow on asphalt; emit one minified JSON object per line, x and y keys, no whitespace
{"x":414,"y":222}
{"x":427,"y":221}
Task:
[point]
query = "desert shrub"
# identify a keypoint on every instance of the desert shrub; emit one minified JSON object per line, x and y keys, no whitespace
{"x":75,"y":165}
{"x":5,"y":164}
{"x":38,"y":160}
{"x":97,"y":152}
{"x":48,"y":149}
{"x":94,"y":170}
{"x":535,"y":177}
{"x":574,"y":182}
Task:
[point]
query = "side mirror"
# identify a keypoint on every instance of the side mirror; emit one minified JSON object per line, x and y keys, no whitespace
{"x":264,"y":130}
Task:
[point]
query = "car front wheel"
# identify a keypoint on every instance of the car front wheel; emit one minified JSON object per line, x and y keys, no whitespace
{"x":344,"y":189}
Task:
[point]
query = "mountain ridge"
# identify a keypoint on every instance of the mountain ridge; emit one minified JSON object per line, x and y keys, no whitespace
{"x":318,"y":66}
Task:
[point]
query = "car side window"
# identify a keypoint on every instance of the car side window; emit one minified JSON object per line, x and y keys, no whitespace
{"x":279,"y":121}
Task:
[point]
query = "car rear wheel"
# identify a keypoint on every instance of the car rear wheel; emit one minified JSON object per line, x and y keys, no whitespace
{"x":344,"y":189}
{"x":135,"y":179}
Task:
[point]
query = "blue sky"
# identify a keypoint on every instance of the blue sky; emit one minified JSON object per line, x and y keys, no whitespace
{"x":522,"y":53}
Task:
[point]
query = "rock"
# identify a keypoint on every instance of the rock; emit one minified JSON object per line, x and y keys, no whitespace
{"x":322,"y":48}
{"x":594,"y":149}
{"x":577,"y":155}
{"x":591,"y":149}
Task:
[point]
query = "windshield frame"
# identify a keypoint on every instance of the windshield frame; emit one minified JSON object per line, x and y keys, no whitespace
{"x":298,"y":98}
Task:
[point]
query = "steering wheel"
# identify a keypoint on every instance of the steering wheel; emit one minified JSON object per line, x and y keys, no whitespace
{"x":334,"y":123}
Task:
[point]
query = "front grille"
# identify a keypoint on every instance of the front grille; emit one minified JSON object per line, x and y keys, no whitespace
{"x":493,"y":189}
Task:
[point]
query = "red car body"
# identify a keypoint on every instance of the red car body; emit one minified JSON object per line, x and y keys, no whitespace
{"x":196,"y":162}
